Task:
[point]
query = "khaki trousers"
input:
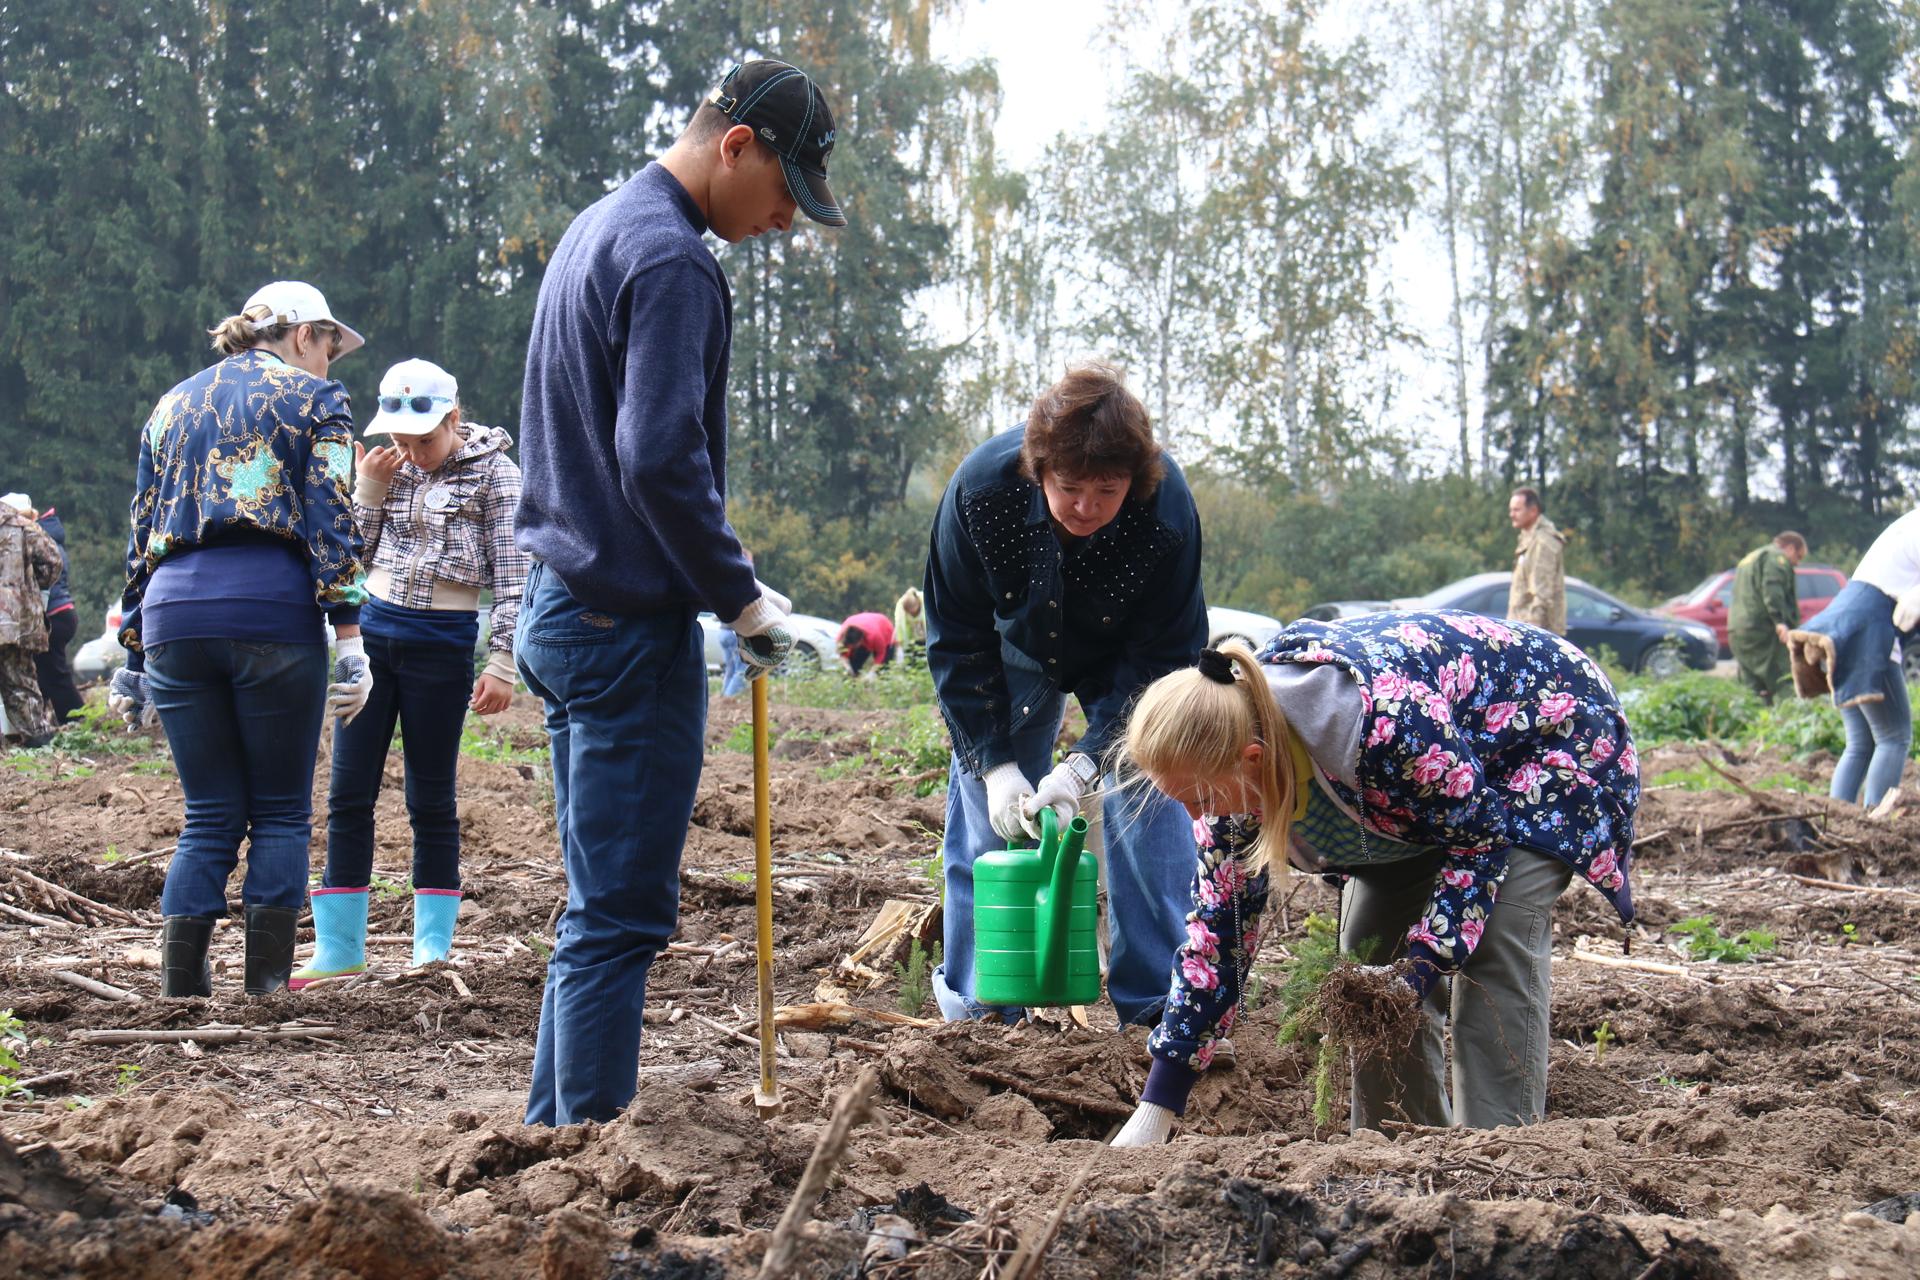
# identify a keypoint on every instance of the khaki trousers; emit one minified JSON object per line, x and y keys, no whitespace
{"x":1500,"y":1000}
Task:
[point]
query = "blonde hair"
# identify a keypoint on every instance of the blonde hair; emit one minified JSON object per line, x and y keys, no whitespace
{"x":236,"y":333}
{"x":1190,"y":724}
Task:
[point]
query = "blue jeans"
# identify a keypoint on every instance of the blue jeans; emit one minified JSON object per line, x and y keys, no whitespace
{"x":424,"y":689}
{"x":1150,"y":858}
{"x":733,"y":668}
{"x":1879,"y":735}
{"x":243,"y":719}
{"x":626,"y":701}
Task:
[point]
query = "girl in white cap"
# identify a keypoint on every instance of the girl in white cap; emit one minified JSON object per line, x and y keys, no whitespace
{"x":436,"y":508}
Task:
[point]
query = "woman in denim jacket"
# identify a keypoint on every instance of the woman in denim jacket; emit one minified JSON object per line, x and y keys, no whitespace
{"x":1066,"y":559}
{"x":243,"y":538}
{"x":437,"y":506}
{"x":1456,"y":772}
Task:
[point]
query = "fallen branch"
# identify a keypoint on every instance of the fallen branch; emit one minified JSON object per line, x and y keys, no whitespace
{"x":148,"y":856}
{"x":849,"y":1109}
{"x":1744,"y":789}
{"x":1638,"y":966}
{"x":207,"y":1035}
{"x":8,"y":909}
{"x":1658,"y":835}
{"x":1843,"y":887}
{"x":101,"y":989}
{"x":62,"y":897}
{"x":1040,"y":1093}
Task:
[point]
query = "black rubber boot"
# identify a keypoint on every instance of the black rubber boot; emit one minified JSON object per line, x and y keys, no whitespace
{"x":183,"y":956}
{"x":269,"y":948}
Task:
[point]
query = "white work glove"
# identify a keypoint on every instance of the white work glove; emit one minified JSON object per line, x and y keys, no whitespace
{"x":1150,"y":1125}
{"x":765,"y":640}
{"x":1007,"y":793}
{"x":352,"y":679}
{"x":127,"y":698}
{"x":1907,"y":611}
{"x":1063,"y":790}
{"x":778,"y":601}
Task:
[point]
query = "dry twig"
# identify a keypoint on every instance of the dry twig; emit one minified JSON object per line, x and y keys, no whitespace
{"x":852,"y":1106}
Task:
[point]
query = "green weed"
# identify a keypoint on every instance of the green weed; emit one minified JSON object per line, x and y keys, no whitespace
{"x":387,"y":887}
{"x":916,"y":977}
{"x":482,"y":741}
{"x":12,"y":1032}
{"x":1601,"y":1039}
{"x":1705,"y":942}
{"x":539,"y":945}
{"x":112,"y":855}
{"x":1698,"y":777}
{"x":740,"y":739}
{"x":124,"y":1076}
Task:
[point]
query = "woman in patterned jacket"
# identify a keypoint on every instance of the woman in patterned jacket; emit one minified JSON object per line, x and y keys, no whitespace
{"x":243,"y":537}
{"x":1437,"y":762}
{"x":437,"y":507}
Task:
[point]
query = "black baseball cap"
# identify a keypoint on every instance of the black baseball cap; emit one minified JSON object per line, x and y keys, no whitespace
{"x":786,"y":110}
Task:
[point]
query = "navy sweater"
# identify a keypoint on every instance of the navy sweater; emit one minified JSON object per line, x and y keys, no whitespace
{"x":623,"y":424}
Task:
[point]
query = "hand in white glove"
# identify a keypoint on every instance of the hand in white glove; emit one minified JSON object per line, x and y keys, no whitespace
{"x":1063,"y":790}
{"x":352,"y":679}
{"x":773,"y":597}
{"x":1907,"y":612}
{"x":127,"y":698}
{"x":1007,"y":793}
{"x":1150,"y":1125}
{"x":765,"y":640}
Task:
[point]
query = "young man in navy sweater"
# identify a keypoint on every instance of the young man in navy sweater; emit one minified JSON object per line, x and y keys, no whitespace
{"x":624,"y":449}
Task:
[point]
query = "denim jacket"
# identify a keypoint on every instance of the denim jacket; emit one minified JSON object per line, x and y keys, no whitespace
{"x":1014,"y":618}
{"x":250,"y":444}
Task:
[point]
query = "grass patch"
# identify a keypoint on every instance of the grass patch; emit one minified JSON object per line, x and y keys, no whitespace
{"x":1700,"y":778}
{"x":482,"y":741}
{"x":893,"y":687}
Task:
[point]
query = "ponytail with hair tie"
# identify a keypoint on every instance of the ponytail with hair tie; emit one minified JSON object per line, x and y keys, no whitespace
{"x":1215,"y":666}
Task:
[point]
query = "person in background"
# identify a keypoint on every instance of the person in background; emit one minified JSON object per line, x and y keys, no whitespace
{"x":436,"y":508}
{"x":910,"y":626}
{"x":624,"y":441}
{"x":1065,"y":559}
{"x":864,"y":638}
{"x":30,"y":563}
{"x":1766,"y":606}
{"x":1538,"y":594}
{"x":1456,"y":772}
{"x":1851,"y":650}
{"x":54,"y":670}
{"x":244,"y":545}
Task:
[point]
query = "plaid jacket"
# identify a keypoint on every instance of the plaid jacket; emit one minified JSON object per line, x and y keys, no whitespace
{"x":453,"y":525}
{"x":248,"y":443}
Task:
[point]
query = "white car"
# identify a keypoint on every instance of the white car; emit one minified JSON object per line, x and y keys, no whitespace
{"x":1251,"y":629}
{"x":101,"y":656}
{"x":812,"y":643}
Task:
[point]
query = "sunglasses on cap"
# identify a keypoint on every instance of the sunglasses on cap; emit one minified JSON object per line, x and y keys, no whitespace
{"x":419,"y":404}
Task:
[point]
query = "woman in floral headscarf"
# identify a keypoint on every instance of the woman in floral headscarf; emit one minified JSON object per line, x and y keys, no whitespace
{"x":1436,"y":762}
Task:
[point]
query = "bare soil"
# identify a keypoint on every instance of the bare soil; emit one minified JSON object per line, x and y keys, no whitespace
{"x":1730,"y":1120}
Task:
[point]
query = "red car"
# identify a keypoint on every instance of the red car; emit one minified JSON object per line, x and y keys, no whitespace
{"x":1708,"y":603}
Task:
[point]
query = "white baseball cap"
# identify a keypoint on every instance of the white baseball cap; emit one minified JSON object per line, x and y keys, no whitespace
{"x":414,"y":396}
{"x":18,"y":501}
{"x":297,"y":302}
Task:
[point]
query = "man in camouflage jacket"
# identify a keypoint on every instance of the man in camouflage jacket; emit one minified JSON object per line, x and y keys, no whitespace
{"x":1539,"y":591}
{"x":29,"y":564}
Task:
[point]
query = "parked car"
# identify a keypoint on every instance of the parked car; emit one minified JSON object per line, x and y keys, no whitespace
{"x":1251,"y":629}
{"x":1335,"y":610}
{"x":101,"y":656}
{"x":1709,"y":602}
{"x":1644,"y":643}
{"x":812,"y":643}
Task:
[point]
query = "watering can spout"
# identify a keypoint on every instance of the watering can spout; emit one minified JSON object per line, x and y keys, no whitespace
{"x":1053,"y":904}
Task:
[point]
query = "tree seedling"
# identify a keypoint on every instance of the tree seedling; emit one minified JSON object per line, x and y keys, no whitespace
{"x":12,"y":1032}
{"x":1601,"y":1039}
{"x":916,"y":977}
{"x":1705,"y":942}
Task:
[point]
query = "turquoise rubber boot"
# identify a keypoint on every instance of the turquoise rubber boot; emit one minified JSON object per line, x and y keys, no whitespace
{"x":433,"y":915}
{"x":339,"y":936}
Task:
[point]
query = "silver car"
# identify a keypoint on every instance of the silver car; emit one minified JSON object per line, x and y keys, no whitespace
{"x":813,"y":645}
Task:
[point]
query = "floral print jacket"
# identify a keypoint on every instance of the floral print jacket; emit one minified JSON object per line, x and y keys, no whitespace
{"x":1479,"y":735}
{"x":248,"y":444}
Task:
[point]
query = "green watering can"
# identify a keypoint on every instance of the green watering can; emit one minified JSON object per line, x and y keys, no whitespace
{"x":1034,"y":921}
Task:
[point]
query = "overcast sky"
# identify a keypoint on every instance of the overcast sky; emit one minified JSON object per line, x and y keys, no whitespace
{"x":1057,"y":70}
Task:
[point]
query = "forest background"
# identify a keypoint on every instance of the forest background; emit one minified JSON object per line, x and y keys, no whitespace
{"x":1677,"y":239}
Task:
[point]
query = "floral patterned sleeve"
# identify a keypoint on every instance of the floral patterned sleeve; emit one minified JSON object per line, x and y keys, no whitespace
{"x":1210,"y":969}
